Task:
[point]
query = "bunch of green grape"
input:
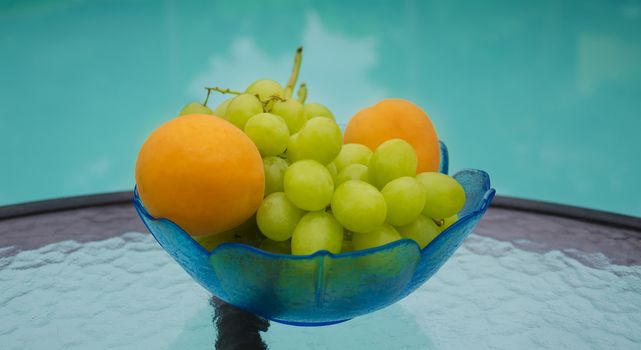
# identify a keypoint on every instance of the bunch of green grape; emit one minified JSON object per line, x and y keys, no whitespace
{"x":321,"y":194}
{"x":357,"y":199}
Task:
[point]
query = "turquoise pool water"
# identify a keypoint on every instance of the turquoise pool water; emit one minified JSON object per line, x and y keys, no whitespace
{"x":545,"y":96}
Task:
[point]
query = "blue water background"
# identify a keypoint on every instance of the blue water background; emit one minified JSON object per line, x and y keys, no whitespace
{"x":544,"y":95}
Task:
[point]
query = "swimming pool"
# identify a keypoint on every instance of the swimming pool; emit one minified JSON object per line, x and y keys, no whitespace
{"x":544,"y":96}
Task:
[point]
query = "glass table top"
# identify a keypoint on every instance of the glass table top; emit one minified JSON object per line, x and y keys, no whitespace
{"x":125,"y":292}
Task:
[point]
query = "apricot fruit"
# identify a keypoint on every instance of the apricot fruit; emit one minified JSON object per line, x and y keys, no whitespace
{"x":202,"y":173}
{"x":396,"y":118}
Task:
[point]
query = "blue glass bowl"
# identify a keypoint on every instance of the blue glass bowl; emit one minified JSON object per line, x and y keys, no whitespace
{"x":322,"y":288}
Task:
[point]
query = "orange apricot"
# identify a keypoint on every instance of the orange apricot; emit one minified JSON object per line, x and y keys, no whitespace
{"x":396,"y":118}
{"x":201,"y":172}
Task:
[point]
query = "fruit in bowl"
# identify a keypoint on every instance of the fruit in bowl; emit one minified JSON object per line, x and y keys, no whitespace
{"x":201,"y":172}
{"x":323,"y":228}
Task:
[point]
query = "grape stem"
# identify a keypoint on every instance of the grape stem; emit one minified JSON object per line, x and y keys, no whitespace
{"x":439,"y":222}
{"x":224,"y":91}
{"x":298,"y":59}
{"x":302,"y":92}
{"x":273,"y":98}
{"x":207,"y":98}
{"x":268,"y":100}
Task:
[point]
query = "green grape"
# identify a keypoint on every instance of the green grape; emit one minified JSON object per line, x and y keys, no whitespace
{"x":358,"y":206}
{"x":352,"y":172}
{"x":422,"y":230}
{"x":405,"y":199}
{"x":447,"y":222}
{"x":352,"y":153}
{"x":317,"y":231}
{"x":275,"y":168}
{"x":211,"y":242}
{"x":293,"y":113}
{"x":195,"y":108}
{"x":269,"y":133}
{"x":309,"y":185}
{"x":381,"y":235}
{"x":320,"y":139}
{"x":332,"y":170}
{"x":392,"y":159}
{"x":241,"y":108}
{"x":317,"y":110}
{"x":277,"y":217}
{"x":444,"y":196}
{"x":284,"y":247}
{"x":245,"y":233}
{"x":222,"y":108}
{"x":347,"y":246}
{"x":293,"y":151}
{"x":265,"y":89}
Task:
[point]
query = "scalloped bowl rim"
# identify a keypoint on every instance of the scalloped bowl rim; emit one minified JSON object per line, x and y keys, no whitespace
{"x":484,"y":202}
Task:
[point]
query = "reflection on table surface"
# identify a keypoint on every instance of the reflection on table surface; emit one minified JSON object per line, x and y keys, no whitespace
{"x":125,"y":292}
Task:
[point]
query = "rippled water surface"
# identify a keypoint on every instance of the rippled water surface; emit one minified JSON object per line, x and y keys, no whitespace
{"x":126,"y":293}
{"x":544,"y":95}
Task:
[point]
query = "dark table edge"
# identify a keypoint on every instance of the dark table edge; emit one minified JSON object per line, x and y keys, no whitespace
{"x":503,"y":202}
{"x":65,"y":203}
{"x":568,"y":211}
